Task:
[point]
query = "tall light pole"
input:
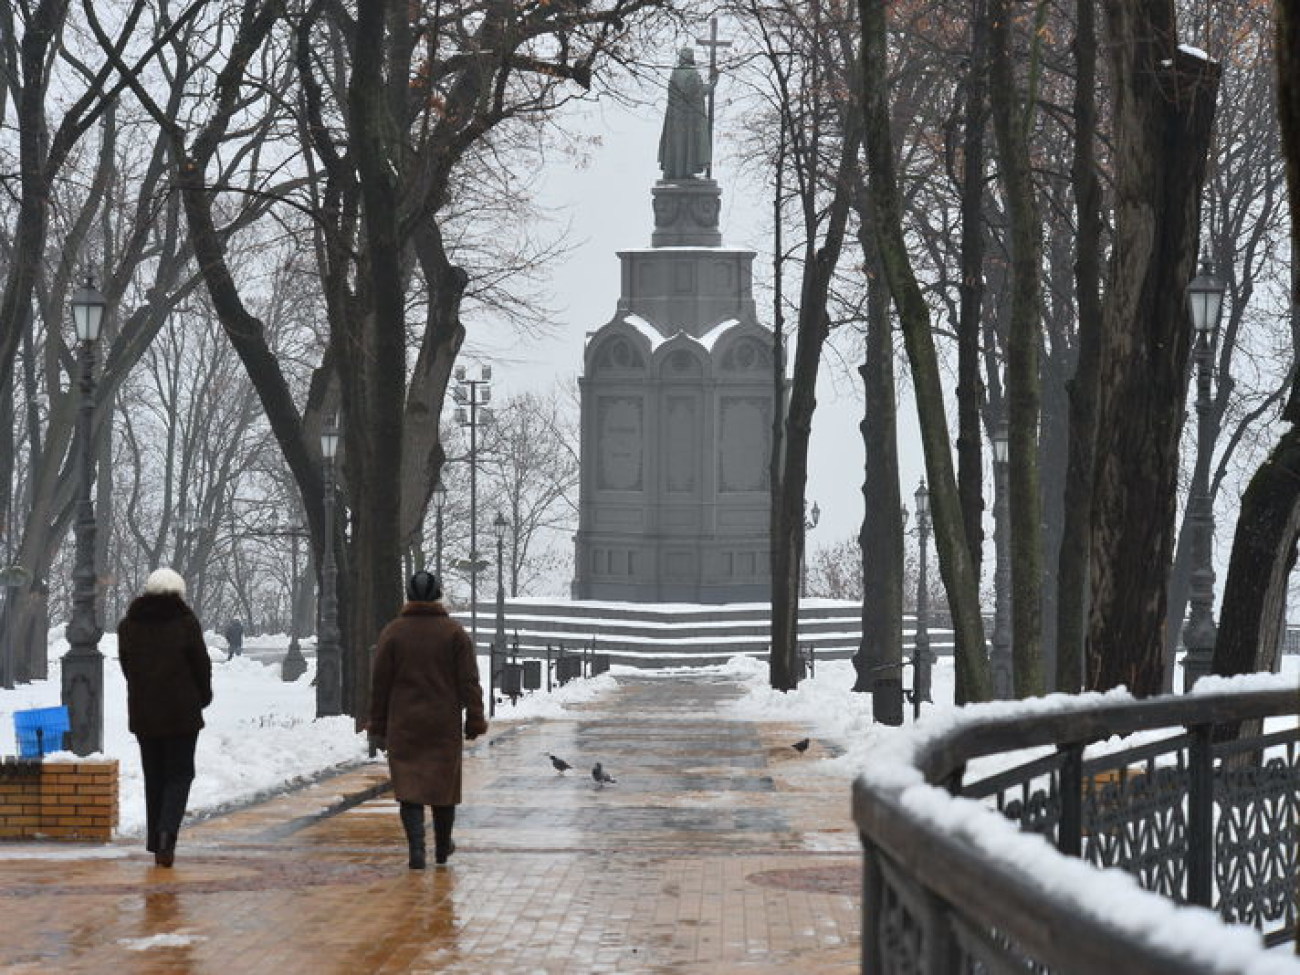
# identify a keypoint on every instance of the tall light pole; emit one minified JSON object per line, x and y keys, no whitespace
{"x":294,"y":664}
{"x":810,"y":519}
{"x":439,"y":502}
{"x":498,"y":653}
{"x":329,"y":688}
{"x":922,"y":659}
{"x":1002,"y":664}
{"x":1205,"y":305}
{"x":473,"y":395}
{"x":83,"y":664}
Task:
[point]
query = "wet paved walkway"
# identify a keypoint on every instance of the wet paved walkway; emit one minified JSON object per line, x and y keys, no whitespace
{"x":717,"y":850}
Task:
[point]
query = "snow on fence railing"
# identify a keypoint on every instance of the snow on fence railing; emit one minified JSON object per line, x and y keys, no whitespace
{"x":1000,"y":874}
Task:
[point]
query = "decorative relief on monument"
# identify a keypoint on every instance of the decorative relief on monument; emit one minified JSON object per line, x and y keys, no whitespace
{"x":724,"y":277}
{"x":705,"y":210}
{"x":667,"y":209}
{"x":618,"y":353}
{"x":619,"y":443}
{"x":681,"y":436}
{"x":681,"y":363}
{"x":744,"y":436}
{"x":747,"y":355}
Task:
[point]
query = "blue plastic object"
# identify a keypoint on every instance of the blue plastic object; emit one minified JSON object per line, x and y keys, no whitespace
{"x":40,"y":731}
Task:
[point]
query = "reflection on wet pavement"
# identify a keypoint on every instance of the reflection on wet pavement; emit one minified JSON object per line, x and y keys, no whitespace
{"x":716,"y":850}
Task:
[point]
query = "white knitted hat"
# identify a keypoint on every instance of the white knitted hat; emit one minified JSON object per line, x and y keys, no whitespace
{"x":162,"y":581}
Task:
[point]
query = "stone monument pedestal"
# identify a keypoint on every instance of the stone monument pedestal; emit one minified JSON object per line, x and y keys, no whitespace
{"x":677,"y":409}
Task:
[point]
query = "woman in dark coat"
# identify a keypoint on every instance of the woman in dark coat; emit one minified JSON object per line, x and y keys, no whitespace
{"x":168,"y":684}
{"x":425,"y":675}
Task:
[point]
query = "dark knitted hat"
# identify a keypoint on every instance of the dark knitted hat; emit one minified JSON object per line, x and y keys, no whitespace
{"x":423,"y":587}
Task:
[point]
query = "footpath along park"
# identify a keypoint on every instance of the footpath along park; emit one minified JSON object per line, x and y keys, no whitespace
{"x":719,"y":846}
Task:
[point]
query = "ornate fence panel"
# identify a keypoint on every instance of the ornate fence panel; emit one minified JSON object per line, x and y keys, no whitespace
{"x":1199,"y":821}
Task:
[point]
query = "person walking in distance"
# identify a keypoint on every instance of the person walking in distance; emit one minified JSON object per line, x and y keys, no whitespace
{"x":168,"y":684}
{"x":425,"y":676}
{"x":234,"y":639}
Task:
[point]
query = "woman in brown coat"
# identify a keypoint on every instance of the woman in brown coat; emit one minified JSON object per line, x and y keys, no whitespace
{"x":168,"y":684}
{"x":425,"y":675}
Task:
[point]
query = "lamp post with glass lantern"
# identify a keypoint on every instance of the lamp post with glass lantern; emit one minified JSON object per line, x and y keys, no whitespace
{"x":472,"y":397}
{"x":1003,"y":666}
{"x":439,"y":502}
{"x":329,"y":687}
{"x":810,"y":519}
{"x":1205,"y":305}
{"x":294,"y":664}
{"x":83,"y":664}
{"x":922,"y":659}
{"x":498,"y":653}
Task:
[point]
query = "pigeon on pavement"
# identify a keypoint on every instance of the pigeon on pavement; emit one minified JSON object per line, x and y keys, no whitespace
{"x":801,"y":745}
{"x":560,"y":764}
{"x":600,"y":775}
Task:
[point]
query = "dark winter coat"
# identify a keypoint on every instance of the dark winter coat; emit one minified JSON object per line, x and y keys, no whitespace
{"x":425,"y":675}
{"x":166,"y":664}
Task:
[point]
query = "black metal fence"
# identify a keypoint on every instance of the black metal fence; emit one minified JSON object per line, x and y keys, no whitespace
{"x":516,"y":673}
{"x":1203,"y":816}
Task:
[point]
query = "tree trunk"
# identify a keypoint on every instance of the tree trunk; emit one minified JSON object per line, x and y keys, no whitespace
{"x":878,"y":662}
{"x":970,"y":386}
{"x":1011,"y":123}
{"x":375,"y":462}
{"x":422,"y":451}
{"x":812,"y":330}
{"x":961,"y":581}
{"x":1164,"y":99}
{"x":1076,"y":530}
{"x":1264,"y":545}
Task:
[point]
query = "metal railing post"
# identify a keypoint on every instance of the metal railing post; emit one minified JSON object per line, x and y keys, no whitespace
{"x":1200,"y":816}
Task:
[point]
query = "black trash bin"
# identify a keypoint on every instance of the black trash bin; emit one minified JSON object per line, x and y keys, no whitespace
{"x":532,"y":675}
{"x":568,"y":668}
{"x":512,"y":680}
{"x":599,"y":663}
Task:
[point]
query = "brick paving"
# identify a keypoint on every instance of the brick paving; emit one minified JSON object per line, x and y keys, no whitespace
{"x":716,"y":850}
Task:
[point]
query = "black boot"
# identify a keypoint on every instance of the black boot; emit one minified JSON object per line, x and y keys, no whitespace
{"x":413,"y":823}
{"x":444,"y":817}
{"x":165,"y":855}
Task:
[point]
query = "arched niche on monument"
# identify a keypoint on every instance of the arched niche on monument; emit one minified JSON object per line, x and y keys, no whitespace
{"x":746,"y":354}
{"x":619,"y":353}
{"x":681,"y":365}
{"x":743,"y":362}
{"x":681,"y":359}
{"x":617,"y":368}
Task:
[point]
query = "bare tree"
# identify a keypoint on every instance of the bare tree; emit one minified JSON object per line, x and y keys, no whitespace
{"x":531,"y":462}
{"x":1264,"y":546}
{"x":1164,"y":109}
{"x":960,"y":574}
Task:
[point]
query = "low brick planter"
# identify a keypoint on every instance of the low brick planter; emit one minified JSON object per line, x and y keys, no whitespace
{"x":43,"y":800}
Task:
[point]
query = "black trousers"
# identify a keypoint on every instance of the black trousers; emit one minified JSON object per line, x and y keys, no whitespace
{"x":168,"y":765}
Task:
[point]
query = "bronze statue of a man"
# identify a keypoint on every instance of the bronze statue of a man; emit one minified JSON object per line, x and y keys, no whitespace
{"x":685,"y":148}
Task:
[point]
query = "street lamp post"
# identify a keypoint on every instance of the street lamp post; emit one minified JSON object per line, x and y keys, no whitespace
{"x":1205,"y":304}
{"x":473,"y":395}
{"x":922,"y":660}
{"x":1003,"y":666}
{"x":810,"y":519}
{"x":294,"y":664}
{"x":329,"y":688}
{"x":498,"y":653}
{"x":439,"y":502}
{"x":83,"y":664}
